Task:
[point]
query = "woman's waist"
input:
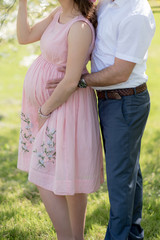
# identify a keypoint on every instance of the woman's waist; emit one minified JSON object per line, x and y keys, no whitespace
{"x":43,"y":60}
{"x":43,"y":66}
{"x":60,"y":65}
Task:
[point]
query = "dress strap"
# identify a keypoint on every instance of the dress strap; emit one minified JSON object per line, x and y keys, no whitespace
{"x":57,"y":14}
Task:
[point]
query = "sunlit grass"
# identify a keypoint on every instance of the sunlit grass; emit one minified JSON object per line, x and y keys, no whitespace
{"x":22,"y":214}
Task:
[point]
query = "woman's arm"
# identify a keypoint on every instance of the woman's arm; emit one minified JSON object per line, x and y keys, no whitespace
{"x":25,"y":33}
{"x":79,"y":40}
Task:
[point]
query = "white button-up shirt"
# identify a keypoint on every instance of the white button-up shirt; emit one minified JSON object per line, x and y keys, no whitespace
{"x":125,"y":30}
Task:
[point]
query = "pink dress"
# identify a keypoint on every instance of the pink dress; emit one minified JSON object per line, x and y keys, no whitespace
{"x":65,"y":155}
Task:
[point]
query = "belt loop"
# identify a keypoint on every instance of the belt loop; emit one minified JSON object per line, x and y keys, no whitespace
{"x":135,"y":92}
{"x":106,"y":97}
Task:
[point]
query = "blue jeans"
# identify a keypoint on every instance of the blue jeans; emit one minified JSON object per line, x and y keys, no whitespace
{"x":122,"y":124}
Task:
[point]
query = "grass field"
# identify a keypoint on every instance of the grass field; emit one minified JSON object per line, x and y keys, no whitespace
{"x":22,"y":214}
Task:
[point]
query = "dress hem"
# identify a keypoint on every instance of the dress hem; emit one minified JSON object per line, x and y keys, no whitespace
{"x":23,"y":169}
{"x":60,"y":193}
{"x":69,"y":187}
{"x":66,"y":194}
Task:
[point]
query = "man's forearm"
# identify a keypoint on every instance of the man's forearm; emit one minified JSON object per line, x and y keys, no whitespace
{"x":102,"y":78}
{"x":115,"y":74}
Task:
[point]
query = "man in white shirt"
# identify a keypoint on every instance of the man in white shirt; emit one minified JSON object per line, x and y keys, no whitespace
{"x":124,"y":33}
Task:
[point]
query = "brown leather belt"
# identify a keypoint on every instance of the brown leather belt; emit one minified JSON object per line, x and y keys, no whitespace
{"x":119,"y":93}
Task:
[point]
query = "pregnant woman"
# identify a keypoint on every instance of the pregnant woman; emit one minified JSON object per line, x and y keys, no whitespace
{"x":60,"y":143}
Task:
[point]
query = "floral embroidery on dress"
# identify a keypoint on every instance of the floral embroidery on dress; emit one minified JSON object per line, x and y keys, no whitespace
{"x":48,"y":152}
{"x":26,"y":136}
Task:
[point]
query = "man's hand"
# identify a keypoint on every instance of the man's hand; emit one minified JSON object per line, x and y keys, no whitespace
{"x":52,"y":84}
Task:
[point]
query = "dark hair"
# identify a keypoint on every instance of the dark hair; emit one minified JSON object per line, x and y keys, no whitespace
{"x":88,"y":10}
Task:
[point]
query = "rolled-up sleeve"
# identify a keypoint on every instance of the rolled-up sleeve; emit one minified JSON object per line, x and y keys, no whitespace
{"x":134,"y":37}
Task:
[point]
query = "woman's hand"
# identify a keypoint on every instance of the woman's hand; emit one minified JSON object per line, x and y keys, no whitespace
{"x":22,"y":1}
{"x":42,"y":116}
{"x":41,"y":122}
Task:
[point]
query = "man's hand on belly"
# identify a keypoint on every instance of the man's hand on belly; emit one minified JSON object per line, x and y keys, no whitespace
{"x":52,"y":84}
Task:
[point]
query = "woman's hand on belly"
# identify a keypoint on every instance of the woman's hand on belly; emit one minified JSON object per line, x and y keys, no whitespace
{"x":41,"y":122}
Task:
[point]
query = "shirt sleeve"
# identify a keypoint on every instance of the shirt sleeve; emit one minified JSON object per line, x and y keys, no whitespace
{"x":134,"y":37}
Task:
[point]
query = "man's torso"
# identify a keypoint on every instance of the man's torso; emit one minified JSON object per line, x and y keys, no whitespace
{"x":111,"y":15}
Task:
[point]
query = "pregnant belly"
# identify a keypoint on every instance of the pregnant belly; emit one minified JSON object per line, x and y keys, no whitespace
{"x":36,"y":79}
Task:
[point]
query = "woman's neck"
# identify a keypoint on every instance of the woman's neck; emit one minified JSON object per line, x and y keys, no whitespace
{"x":69,"y":9}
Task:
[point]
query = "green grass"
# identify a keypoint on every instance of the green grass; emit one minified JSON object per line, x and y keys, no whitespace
{"x":22,"y":214}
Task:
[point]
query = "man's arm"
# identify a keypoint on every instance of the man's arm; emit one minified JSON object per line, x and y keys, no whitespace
{"x":134,"y":38}
{"x":117,"y":73}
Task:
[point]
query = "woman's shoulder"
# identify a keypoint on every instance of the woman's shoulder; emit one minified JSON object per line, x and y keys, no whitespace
{"x":81,"y":18}
{"x":82,"y":23}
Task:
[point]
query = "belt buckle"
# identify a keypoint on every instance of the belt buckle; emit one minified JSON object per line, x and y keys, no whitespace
{"x":117,"y":95}
{"x":114,"y":95}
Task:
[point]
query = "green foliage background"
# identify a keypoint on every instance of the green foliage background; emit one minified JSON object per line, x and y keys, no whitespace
{"x":22,"y":214}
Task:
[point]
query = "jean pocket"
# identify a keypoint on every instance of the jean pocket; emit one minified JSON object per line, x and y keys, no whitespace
{"x":136,"y":107}
{"x":125,"y":113}
{"x":142,"y":97}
